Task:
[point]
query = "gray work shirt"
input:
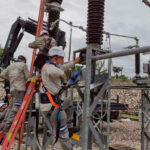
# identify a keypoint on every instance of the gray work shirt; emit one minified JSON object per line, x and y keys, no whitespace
{"x":17,"y":73}
{"x":51,"y":76}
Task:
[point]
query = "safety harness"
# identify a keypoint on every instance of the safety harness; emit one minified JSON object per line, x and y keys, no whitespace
{"x":54,"y":104}
{"x":49,"y":96}
{"x":46,"y":91}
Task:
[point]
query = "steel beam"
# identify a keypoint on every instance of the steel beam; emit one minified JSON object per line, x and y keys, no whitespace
{"x":85,"y":123}
{"x":145,"y":135}
{"x":108,"y":103}
{"x":122,"y":53}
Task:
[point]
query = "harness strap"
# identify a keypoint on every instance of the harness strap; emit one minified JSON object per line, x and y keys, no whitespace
{"x":49,"y":96}
{"x":51,"y":100}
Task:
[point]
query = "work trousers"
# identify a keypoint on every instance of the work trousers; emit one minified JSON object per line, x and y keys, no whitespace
{"x":68,"y":108}
{"x":16,"y":100}
{"x":65,"y":118}
{"x":64,"y":133}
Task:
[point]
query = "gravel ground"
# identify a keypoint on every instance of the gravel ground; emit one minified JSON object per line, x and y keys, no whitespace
{"x":123,"y":133}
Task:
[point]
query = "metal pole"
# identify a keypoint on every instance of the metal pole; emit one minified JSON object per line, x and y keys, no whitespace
{"x":86,"y":116}
{"x":70,"y":44}
{"x":142,"y":125}
{"x":108,"y":103}
{"x":122,"y":53}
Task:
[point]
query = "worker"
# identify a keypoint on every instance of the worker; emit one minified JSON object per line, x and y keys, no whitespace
{"x":17,"y":73}
{"x":43,"y":43}
{"x":52,"y":75}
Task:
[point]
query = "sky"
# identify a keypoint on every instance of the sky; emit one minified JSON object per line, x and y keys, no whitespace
{"x":126,"y":17}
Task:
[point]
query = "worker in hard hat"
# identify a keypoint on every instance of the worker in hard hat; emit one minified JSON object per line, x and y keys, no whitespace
{"x":17,"y":73}
{"x":44,"y":41}
{"x":52,"y":75}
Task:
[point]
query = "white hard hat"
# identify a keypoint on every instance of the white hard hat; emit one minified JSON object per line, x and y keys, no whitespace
{"x":56,"y":50}
{"x":43,"y":32}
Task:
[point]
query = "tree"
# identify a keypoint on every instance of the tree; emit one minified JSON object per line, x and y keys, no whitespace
{"x":100,"y":67}
{"x":117,"y":70}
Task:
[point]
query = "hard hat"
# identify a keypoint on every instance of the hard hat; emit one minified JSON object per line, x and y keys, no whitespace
{"x":56,"y":51}
{"x":44,"y":32}
{"x":22,"y":58}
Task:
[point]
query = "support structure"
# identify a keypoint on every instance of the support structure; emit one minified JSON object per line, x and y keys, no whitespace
{"x":145,"y":133}
{"x":95,"y":89}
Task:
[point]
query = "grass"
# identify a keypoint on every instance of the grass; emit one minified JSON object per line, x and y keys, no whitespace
{"x":1,"y":80}
{"x":129,"y":116}
{"x":121,"y":79}
{"x":1,"y":50}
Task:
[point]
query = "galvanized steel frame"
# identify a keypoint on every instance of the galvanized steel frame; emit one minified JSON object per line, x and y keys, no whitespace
{"x":145,"y":134}
{"x":87,"y":124}
{"x":88,"y":129}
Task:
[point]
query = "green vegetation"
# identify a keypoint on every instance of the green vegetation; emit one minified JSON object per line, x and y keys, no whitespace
{"x":129,"y":116}
{"x":1,"y":50}
{"x":100,"y":67}
{"x":121,"y":78}
{"x":1,"y":80}
{"x":78,"y":67}
{"x":117,"y":70}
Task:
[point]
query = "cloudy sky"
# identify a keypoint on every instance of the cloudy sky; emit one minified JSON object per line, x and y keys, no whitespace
{"x":124,"y":17}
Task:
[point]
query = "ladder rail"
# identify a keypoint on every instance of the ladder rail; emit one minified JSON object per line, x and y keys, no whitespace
{"x":39,"y":28}
{"x":21,"y":133}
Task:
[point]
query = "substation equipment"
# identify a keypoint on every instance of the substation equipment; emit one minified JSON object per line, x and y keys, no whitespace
{"x":97,"y":87}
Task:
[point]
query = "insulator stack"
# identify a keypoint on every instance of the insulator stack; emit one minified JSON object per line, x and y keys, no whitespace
{"x":53,"y":15}
{"x":137,"y":64}
{"x":95,"y":21}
